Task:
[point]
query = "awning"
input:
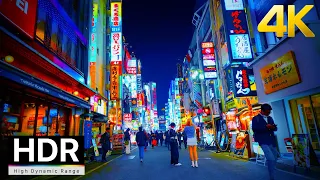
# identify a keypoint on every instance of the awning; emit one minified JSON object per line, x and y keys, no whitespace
{"x":14,"y":74}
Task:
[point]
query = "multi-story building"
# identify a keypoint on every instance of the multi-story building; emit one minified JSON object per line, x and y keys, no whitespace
{"x":286,"y":70}
{"x":44,"y":66}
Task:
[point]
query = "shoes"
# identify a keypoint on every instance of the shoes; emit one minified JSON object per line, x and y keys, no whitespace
{"x":196,"y":164}
{"x":141,"y":160}
{"x":179,"y":164}
{"x":192,"y":163}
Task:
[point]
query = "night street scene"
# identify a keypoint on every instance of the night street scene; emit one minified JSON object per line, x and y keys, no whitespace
{"x":160,"y":90}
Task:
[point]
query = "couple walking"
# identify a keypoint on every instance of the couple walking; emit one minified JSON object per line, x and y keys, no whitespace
{"x":190,"y":132}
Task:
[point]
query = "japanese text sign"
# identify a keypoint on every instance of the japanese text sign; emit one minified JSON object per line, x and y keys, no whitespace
{"x":115,"y":73}
{"x":280,"y":74}
{"x":93,"y":39}
{"x":116,"y":47}
{"x":116,"y":31}
{"x":233,"y":4}
{"x":237,"y":31}
{"x":127,"y":117}
{"x":21,"y":13}
{"x":244,"y":83}
{"x":116,"y":17}
{"x":209,"y":62}
{"x":139,"y":83}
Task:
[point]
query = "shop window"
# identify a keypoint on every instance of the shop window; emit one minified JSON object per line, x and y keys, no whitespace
{"x":305,"y":113}
{"x":29,"y":116}
{"x":10,"y":117}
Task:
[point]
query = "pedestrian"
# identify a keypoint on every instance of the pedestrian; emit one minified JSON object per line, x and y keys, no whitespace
{"x":157,"y":138}
{"x":141,"y":140}
{"x":146,"y":145}
{"x":184,"y":135}
{"x":105,"y":144}
{"x":179,"y":135}
{"x":263,"y":128}
{"x":161,"y":137}
{"x":190,"y":131}
{"x":174,"y":145}
{"x":154,"y":140}
{"x":127,"y":141}
{"x":167,"y":139}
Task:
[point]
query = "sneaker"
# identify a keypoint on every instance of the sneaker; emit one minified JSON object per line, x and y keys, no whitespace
{"x":179,"y":164}
{"x":141,"y":160}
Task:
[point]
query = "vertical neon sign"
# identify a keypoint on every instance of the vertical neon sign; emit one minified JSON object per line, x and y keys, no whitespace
{"x":116,"y":32}
{"x":93,"y":46}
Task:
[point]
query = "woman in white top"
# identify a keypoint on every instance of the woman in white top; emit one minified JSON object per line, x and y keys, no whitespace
{"x":190,"y":131}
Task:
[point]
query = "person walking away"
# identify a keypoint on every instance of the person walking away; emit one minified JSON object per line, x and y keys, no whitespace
{"x":161,"y":137}
{"x":146,"y":145}
{"x":105,"y":144}
{"x":127,"y":140}
{"x":179,"y":135}
{"x":157,"y":138}
{"x":141,"y":140}
{"x":263,"y":128}
{"x":150,"y":137}
{"x":184,"y":135}
{"x":154,"y":140}
{"x":174,"y":145}
{"x":167,"y":139}
{"x":190,"y":131}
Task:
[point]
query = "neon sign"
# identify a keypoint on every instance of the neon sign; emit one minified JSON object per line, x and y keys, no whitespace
{"x":116,"y":32}
{"x":93,"y":41}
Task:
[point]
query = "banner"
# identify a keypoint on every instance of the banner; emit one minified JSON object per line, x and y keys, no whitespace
{"x":116,"y":31}
{"x":244,"y":83}
{"x":115,"y":75}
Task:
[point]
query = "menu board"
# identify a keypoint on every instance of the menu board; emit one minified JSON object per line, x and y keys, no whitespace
{"x":117,"y":143}
{"x":301,"y":151}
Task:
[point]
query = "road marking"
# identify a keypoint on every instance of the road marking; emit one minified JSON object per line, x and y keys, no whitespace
{"x":204,"y":158}
{"x":131,"y":157}
{"x":92,"y":170}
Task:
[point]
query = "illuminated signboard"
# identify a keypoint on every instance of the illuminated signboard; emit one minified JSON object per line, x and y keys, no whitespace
{"x":127,"y":117}
{"x":116,"y":31}
{"x":237,"y":31}
{"x":93,"y":39}
{"x":233,"y":5}
{"x":130,"y":83}
{"x":115,"y":74}
{"x":139,"y":83}
{"x":244,"y":83}
{"x":154,"y":96}
{"x":209,"y":62}
{"x":132,"y":66}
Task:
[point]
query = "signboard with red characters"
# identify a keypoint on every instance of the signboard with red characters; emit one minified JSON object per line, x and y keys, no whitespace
{"x":127,"y":117}
{"x":208,"y":60}
{"x":238,"y":39}
{"x":21,"y":13}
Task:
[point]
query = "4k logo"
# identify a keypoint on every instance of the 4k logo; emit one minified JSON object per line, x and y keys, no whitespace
{"x":293,"y":21}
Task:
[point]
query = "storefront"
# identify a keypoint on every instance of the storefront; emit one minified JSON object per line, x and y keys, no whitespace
{"x":239,"y":120}
{"x":287,"y":78}
{"x":37,"y":97}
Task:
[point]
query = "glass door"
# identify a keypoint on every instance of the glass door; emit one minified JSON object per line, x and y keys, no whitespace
{"x":315,"y":99}
{"x":304,"y":119}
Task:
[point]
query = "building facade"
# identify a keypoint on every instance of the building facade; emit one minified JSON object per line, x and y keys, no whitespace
{"x":44,"y":66}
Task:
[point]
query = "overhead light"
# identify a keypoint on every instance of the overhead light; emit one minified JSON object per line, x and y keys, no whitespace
{"x":86,"y":98}
{"x":76,"y":93}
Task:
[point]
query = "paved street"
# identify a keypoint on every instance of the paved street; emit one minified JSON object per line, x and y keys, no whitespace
{"x":156,"y":166}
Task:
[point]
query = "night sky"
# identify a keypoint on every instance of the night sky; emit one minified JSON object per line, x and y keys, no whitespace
{"x":160,"y":33}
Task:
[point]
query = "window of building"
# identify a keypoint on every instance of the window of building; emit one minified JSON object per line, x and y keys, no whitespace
{"x":306,"y":117}
{"x":56,"y":34}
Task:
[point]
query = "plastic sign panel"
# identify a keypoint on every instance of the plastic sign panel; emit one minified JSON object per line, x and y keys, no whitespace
{"x":237,"y":31}
{"x":139,"y":83}
{"x":209,"y":62}
{"x":116,"y":31}
{"x":132,"y":66}
{"x":21,"y":13}
{"x":244,"y":82}
{"x":93,"y":39}
{"x":115,"y":75}
{"x":130,"y":83}
{"x":127,"y":117}
{"x":233,"y":5}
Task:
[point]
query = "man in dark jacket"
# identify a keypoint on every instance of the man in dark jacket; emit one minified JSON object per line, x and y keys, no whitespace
{"x":141,"y":140}
{"x":105,"y":143}
{"x":185,"y":138}
{"x":161,"y":137}
{"x":263,"y":127}
{"x":179,"y":135}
